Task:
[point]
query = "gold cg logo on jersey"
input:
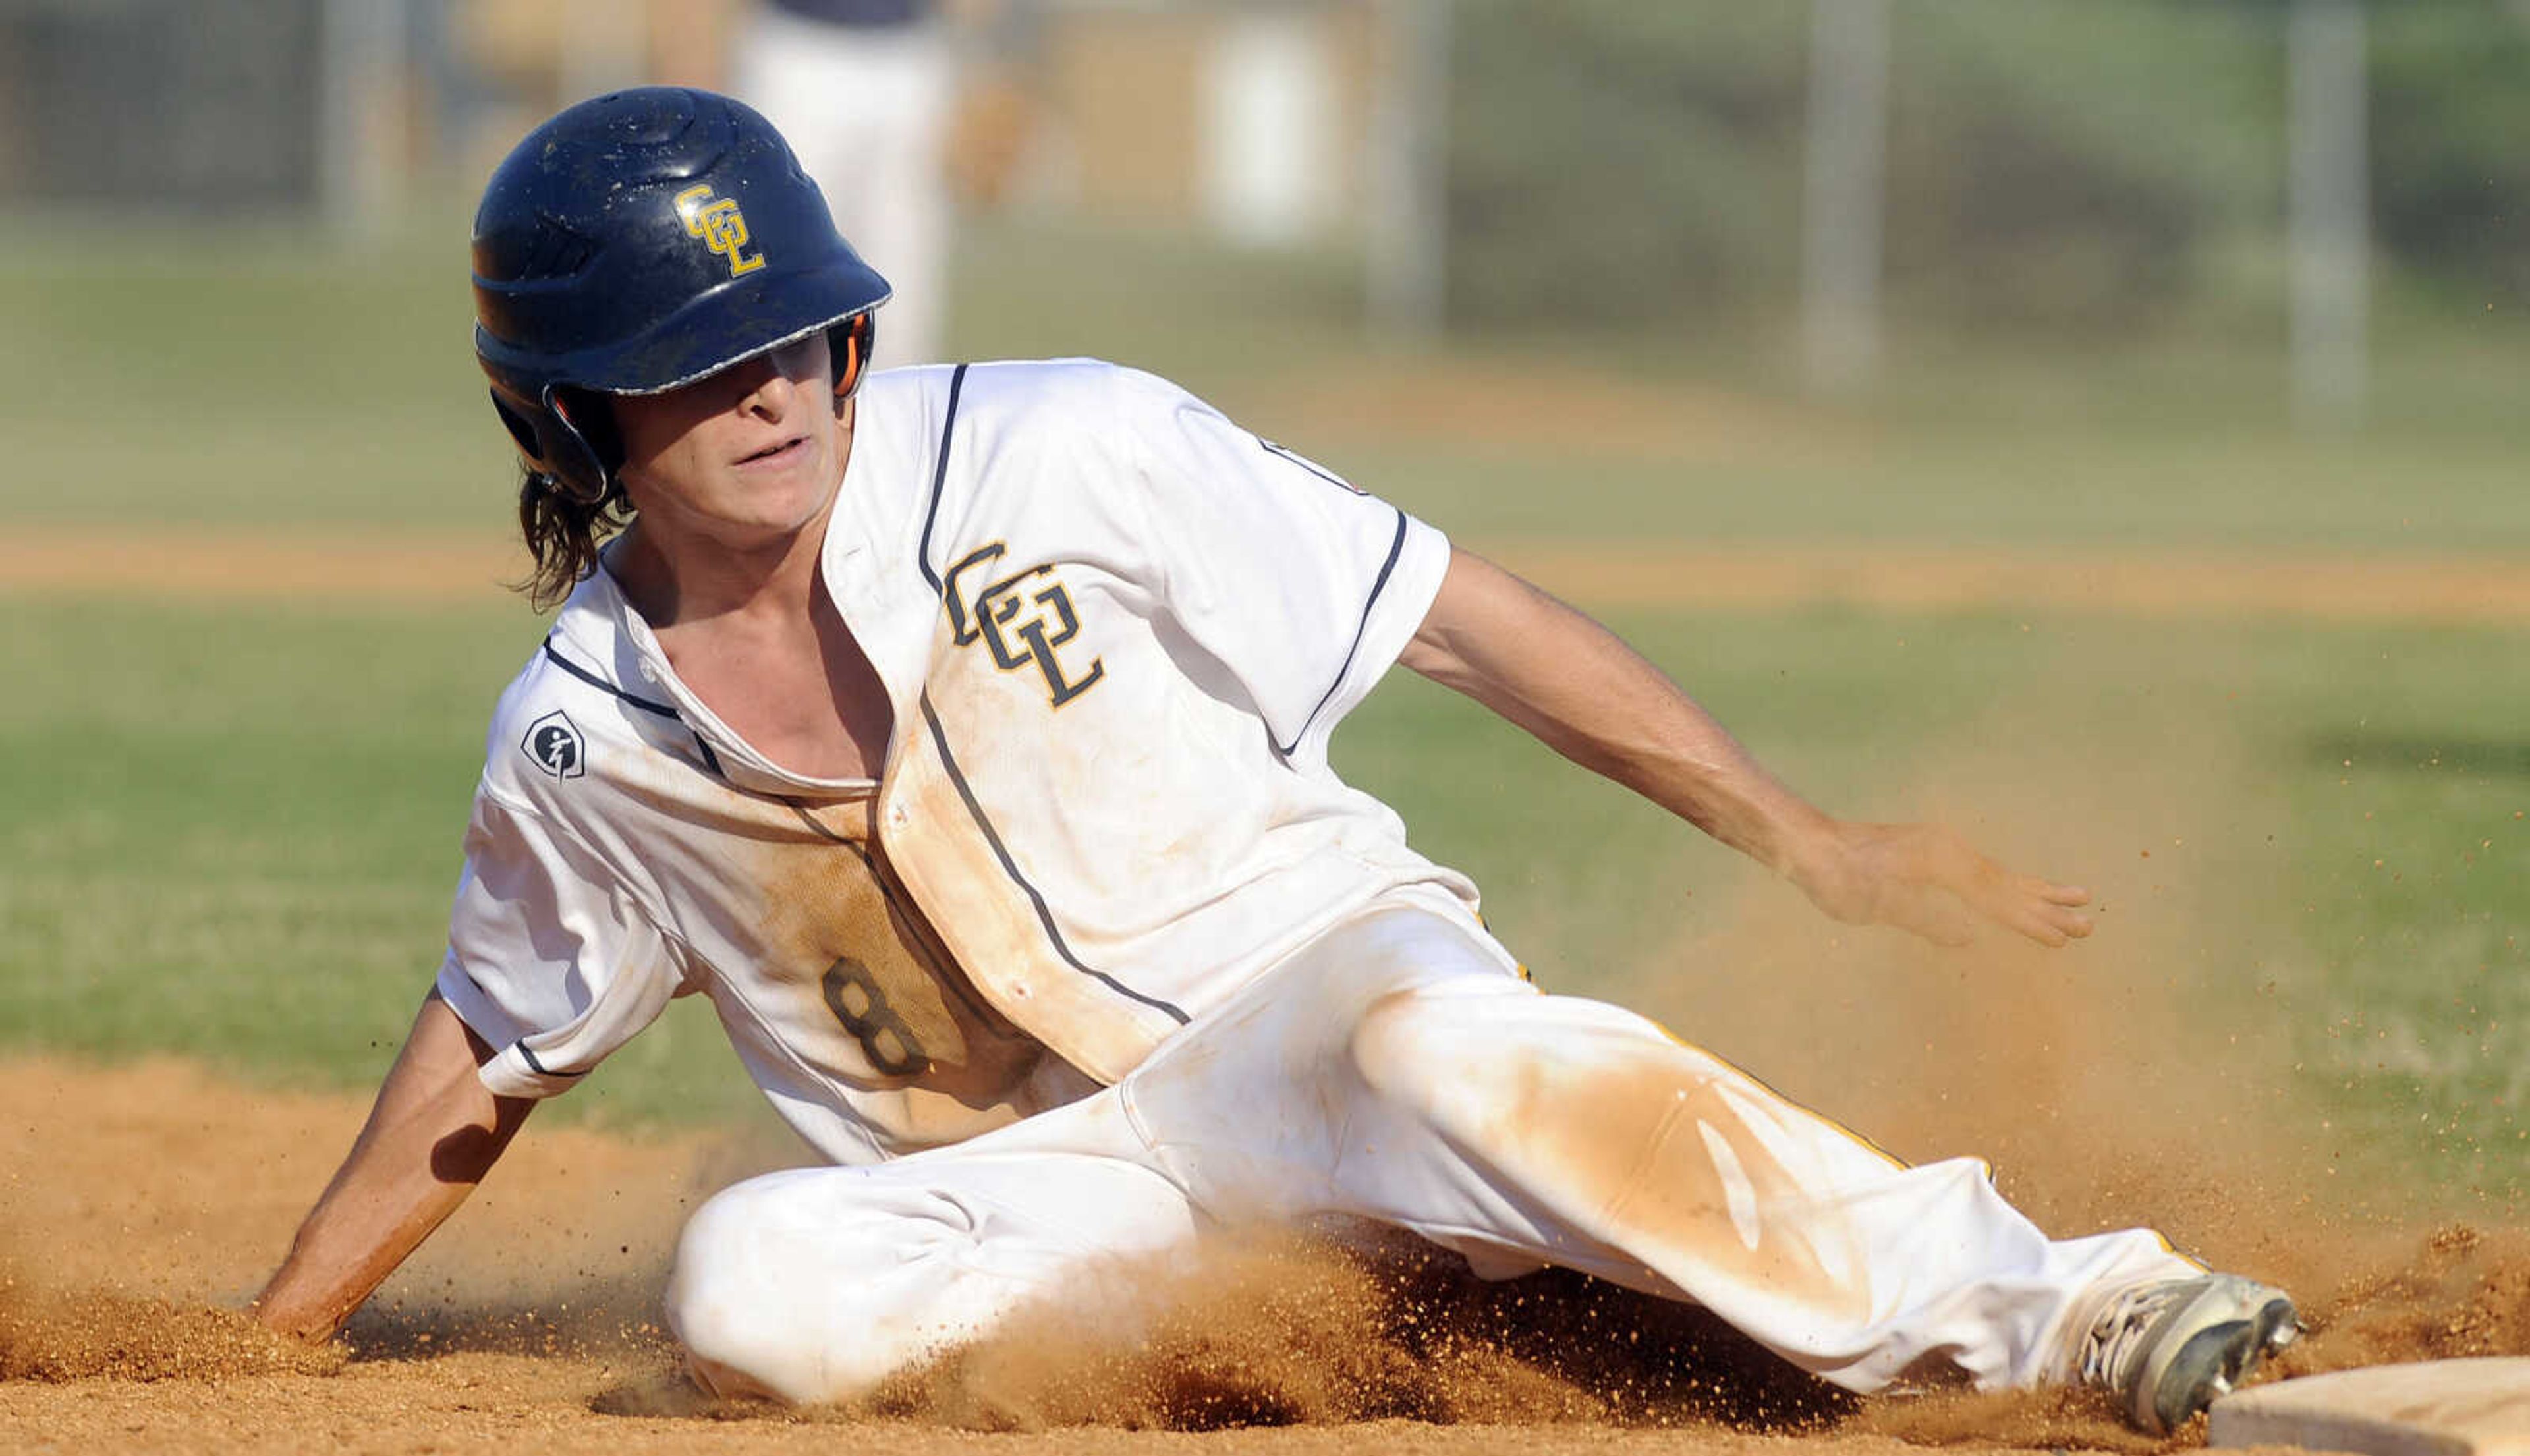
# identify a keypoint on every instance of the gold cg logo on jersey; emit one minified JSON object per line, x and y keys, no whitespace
{"x":1022,"y":618}
{"x":720,"y":224}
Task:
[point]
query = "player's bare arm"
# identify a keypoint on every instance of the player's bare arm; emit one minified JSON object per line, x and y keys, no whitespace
{"x":1584,"y":693}
{"x":433,"y":1133}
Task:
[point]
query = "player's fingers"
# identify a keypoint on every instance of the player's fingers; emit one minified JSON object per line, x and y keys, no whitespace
{"x":2017,"y":913}
{"x":2029,"y":907}
{"x":2055,"y":904}
{"x":1943,"y":865}
{"x":2050,"y":923}
{"x":2040,"y":928}
{"x":2058,"y":904}
{"x":2041,"y":932}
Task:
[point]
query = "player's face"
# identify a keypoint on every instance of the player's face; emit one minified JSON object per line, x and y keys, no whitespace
{"x":744,"y":456}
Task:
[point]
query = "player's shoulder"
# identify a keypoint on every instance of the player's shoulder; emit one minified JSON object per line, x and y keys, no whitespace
{"x":1008,"y":385}
{"x":909,"y":389}
{"x":959,"y":427}
{"x":550,"y":725}
{"x":578,"y":714}
{"x":1067,"y":396}
{"x":1033,"y":446}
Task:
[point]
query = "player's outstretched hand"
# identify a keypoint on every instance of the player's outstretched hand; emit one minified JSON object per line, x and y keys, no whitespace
{"x":1927,"y":880}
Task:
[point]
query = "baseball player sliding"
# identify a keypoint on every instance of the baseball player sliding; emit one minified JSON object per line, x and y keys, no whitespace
{"x":961,"y":733}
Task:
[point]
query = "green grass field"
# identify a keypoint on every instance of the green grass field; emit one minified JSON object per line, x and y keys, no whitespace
{"x":230,"y":831}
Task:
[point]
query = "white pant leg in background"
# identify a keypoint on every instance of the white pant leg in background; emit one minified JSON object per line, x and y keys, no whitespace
{"x":1397,"y":1069}
{"x":866,"y":110}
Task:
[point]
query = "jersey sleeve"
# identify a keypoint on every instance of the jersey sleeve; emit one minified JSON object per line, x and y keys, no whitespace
{"x":1302,"y":586}
{"x":549,"y":958}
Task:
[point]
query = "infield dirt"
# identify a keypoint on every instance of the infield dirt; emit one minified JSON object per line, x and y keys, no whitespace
{"x":143,"y":1203}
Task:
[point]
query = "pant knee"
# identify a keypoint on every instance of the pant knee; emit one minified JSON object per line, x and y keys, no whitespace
{"x":817,"y":1286}
{"x":1419,"y":1049}
{"x":1381,"y":1049}
{"x":721,"y":1299}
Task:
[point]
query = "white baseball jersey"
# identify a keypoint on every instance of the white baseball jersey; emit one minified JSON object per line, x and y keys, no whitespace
{"x":1116,"y":630}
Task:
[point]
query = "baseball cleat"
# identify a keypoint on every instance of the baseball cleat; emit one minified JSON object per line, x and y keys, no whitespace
{"x":2166,"y":1350}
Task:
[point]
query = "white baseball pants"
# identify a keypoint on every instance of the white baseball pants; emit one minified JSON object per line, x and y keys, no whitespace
{"x":1397,"y":1069}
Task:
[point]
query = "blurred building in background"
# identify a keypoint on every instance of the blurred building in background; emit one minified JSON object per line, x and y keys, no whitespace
{"x":1816,"y":172}
{"x":1248,"y":119}
{"x":165,"y":106}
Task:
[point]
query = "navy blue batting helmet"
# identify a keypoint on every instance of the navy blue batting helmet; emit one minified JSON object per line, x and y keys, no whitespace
{"x":639,"y":241}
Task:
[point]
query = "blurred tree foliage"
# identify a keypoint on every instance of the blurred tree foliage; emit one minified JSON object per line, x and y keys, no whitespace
{"x":1617,"y":162}
{"x":2451,"y":147}
{"x":2057,"y":164}
{"x":2066,"y":163}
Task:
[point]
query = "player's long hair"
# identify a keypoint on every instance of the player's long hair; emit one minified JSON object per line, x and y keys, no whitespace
{"x":566,"y":515}
{"x":563,"y":533}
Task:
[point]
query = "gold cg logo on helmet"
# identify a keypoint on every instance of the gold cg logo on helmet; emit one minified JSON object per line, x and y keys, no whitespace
{"x":720,"y":224}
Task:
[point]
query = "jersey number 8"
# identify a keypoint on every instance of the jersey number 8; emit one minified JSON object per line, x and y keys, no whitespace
{"x":855,"y":997}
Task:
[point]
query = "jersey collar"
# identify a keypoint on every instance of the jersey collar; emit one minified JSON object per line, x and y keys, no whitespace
{"x":608,"y":633}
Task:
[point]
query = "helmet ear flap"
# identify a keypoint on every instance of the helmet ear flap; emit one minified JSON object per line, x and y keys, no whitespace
{"x":521,"y":429}
{"x":553,"y":449}
{"x":586,"y":449}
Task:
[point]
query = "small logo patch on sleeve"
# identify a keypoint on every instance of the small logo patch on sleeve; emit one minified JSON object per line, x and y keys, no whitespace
{"x":554,"y":742}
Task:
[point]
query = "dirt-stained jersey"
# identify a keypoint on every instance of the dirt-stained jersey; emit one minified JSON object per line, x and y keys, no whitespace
{"x":1116,"y":630}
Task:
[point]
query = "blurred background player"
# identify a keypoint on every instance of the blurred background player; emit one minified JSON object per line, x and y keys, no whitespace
{"x":866,"y":89}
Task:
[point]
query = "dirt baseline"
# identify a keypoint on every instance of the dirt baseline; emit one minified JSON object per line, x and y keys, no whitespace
{"x":424,"y":569}
{"x":145,"y":1203}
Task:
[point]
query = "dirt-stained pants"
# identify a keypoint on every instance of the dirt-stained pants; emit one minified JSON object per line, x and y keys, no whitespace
{"x":1397,"y":1069}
